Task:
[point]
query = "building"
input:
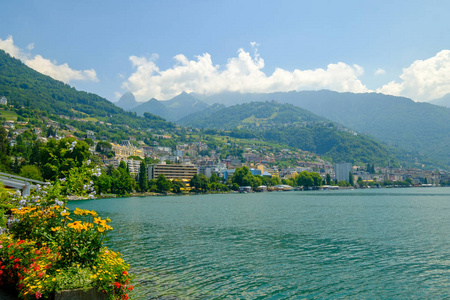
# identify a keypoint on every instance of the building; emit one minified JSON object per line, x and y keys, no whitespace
{"x":3,"y":100}
{"x":342,"y":171}
{"x":172,"y":171}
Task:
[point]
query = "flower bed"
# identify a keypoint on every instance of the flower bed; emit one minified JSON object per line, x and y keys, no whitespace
{"x":49,"y":248}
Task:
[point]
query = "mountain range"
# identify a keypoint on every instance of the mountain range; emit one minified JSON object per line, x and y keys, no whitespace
{"x":418,"y":128}
{"x":171,"y":110}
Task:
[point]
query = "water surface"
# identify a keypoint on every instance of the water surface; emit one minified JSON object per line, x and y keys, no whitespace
{"x":379,"y":243}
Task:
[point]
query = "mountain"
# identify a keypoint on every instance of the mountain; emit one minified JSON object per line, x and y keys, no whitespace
{"x":444,"y":101}
{"x":153,"y":106}
{"x":254,"y":115}
{"x":292,"y":126}
{"x":173,"y":109}
{"x":25,"y":87}
{"x":397,"y":121}
{"x":127,"y":101}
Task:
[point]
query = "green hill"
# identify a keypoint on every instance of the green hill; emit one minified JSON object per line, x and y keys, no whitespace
{"x":420,"y":129}
{"x":24,"y":87}
{"x":294,"y":127}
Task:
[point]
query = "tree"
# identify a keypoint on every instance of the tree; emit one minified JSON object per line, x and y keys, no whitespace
{"x":142,"y":177}
{"x":351,"y":181}
{"x":31,"y":171}
{"x":200,"y":183}
{"x":328,"y":180}
{"x":5,"y":160}
{"x":58,"y":157}
{"x":162,"y":184}
{"x":177,"y":186}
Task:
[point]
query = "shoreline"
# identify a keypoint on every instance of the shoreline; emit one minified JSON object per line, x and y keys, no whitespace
{"x":148,"y":194}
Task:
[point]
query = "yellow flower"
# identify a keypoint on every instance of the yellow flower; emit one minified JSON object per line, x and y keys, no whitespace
{"x":81,"y":212}
{"x":65,"y":214}
{"x":55,"y":228}
{"x":77,"y":226}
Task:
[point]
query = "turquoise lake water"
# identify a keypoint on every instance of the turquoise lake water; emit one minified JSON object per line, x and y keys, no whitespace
{"x":378,"y":243}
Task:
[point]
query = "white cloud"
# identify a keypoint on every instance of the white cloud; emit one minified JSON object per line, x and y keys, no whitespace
{"x":59,"y":72}
{"x":380,"y":71}
{"x":423,"y":80}
{"x":242,"y":74}
{"x":9,"y":47}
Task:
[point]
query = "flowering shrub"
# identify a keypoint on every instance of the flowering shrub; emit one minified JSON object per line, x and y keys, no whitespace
{"x":50,"y":248}
{"x":27,"y":266}
{"x":110,"y":267}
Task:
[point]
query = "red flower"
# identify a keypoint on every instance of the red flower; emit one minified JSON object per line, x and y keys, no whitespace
{"x":20,"y":242}
{"x":17,"y":260}
{"x":11,"y":257}
{"x":124,"y":297}
{"x":116,"y":284}
{"x":38,"y":295}
{"x":130,"y":287}
{"x":125,"y":273}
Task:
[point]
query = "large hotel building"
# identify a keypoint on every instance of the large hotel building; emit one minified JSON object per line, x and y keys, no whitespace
{"x":172,"y":171}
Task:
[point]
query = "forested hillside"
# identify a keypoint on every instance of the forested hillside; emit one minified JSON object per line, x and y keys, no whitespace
{"x":295,"y":127}
{"x":413,"y":126}
{"x":25,"y":87}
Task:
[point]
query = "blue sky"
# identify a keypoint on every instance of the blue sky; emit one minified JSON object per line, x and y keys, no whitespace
{"x":160,"y":48}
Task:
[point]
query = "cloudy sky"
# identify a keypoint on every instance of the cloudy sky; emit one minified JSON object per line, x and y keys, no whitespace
{"x":161,"y":48}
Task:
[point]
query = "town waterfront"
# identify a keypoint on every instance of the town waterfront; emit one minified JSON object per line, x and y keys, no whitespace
{"x":374,"y":243}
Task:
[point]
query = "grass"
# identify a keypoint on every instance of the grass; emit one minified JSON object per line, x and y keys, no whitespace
{"x":9,"y":115}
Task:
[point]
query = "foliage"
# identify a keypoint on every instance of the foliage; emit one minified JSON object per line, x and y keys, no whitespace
{"x":5,"y":160}
{"x":142,"y":177}
{"x":295,"y":127}
{"x":31,"y":171}
{"x":25,"y":87}
{"x":243,"y":177}
{"x":57,"y":157}
{"x":50,"y":248}
{"x":162,"y":184}
{"x":199,"y":183}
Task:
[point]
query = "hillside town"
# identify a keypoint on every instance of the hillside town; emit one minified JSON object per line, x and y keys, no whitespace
{"x":186,"y":159}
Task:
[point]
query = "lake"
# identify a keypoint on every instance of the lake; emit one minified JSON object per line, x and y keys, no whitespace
{"x":375,"y":243}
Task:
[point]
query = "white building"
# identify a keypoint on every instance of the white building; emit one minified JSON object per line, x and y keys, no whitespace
{"x":342,"y":171}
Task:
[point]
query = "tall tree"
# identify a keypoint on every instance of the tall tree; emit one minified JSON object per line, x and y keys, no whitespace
{"x":328,"y":180}
{"x":5,"y":160}
{"x":351,"y":180}
{"x":142,"y":177}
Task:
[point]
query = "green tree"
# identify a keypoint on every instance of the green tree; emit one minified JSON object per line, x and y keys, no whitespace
{"x":5,"y":160}
{"x":177,"y":186}
{"x":142,"y":177}
{"x":199,"y":183}
{"x":328,"y":180}
{"x":162,"y":184}
{"x":351,"y":181}
{"x":31,"y":171}
{"x":58,"y":157}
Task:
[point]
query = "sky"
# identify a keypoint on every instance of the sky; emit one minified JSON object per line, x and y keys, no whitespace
{"x":158,"y":49}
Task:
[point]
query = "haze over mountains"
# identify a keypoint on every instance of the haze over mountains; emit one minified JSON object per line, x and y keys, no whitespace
{"x":444,"y":101}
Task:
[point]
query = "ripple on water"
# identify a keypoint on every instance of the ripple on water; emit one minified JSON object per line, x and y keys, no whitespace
{"x":343,"y":244}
